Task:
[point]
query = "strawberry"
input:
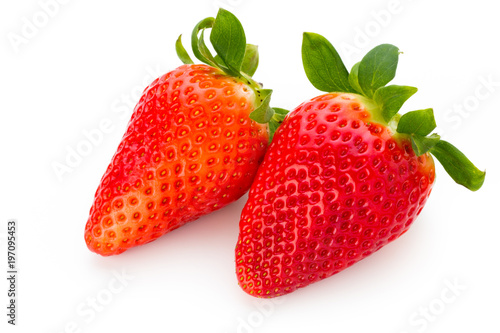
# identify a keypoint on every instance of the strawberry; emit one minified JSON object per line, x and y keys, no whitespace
{"x":191,"y":146}
{"x":345,"y":174}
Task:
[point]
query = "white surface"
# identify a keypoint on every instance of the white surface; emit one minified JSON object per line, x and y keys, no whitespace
{"x":91,"y":56}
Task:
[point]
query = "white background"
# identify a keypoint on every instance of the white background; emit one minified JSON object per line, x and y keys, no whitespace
{"x":83,"y":64}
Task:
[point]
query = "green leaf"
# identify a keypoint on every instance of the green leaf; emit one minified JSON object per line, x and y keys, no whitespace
{"x":203,"y":24}
{"x":202,"y":47}
{"x":220,"y":62}
{"x":391,"y":98}
{"x":323,"y":66}
{"x":228,"y":40}
{"x":263,"y":113}
{"x":353,"y":78}
{"x":419,"y":122}
{"x":251,"y":60}
{"x":458,"y":166}
{"x":279,"y":114}
{"x":181,"y":52}
{"x":377,"y":68}
{"x":276,"y":120}
{"x":422,"y":144}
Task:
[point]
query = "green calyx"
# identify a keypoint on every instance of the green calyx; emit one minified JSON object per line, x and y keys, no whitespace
{"x":235,"y":58}
{"x":369,"y":78}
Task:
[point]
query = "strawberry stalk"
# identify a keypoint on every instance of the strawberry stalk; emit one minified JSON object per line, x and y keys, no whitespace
{"x":234,"y":57}
{"x":369,"y":78}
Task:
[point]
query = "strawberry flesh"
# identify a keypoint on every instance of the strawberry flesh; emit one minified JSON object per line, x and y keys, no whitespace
{"x":334,"y":187}
{"x":190,"y":148}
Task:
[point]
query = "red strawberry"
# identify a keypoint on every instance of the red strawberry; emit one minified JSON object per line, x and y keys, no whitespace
{"x":344,"y":175}
{"x":190,"y":147}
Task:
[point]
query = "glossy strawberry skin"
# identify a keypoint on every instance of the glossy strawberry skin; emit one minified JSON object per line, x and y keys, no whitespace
{"x":334,"y":187}
{"x":190,"y":148}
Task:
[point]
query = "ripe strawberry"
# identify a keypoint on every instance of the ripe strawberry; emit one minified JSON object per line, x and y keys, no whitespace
{"x":344,"y":175}
{"x":190,"y":147}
